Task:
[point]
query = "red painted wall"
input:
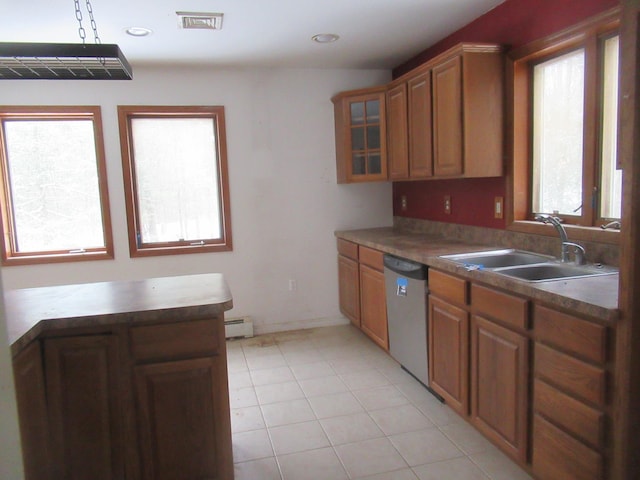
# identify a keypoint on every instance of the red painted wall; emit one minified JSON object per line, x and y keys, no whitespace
{"x":513,"y":23}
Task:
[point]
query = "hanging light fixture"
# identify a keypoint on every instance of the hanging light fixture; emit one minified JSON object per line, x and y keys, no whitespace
{"x":65,"y":61}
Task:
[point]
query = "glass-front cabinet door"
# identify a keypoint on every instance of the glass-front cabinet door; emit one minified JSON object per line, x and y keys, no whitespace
{"x":361,"y":136}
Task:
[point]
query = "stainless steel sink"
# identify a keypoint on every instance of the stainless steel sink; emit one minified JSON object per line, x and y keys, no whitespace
{"x":554,"y":271}
{"x":498,"y":258}
{"x":527,"y":266}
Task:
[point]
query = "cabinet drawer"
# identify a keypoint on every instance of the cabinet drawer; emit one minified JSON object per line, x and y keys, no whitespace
{"x":348,"y":249}
{"x":448,"y":287}
{"x":569,"y":413}
{"x":570,"y":374}
{"x":570,"y":333}
{"x":372,"y":258}
{"x":176,"y":340}
{"x":500,"y":306}
{"x":558,"y":455}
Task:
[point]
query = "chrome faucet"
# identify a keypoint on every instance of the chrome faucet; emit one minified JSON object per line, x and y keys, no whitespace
{"x":565,"y":245}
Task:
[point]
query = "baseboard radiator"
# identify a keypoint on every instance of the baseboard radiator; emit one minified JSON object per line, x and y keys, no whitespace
{"x":238,"y":327}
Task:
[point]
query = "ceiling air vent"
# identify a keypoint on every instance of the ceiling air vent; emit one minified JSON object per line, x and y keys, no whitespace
{"x":200,"y":20}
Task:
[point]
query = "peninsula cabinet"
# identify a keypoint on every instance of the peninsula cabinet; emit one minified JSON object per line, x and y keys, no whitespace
{"x":467,"y":89}
{"x":85,"y":415}
{"x":361,"y":135}
{"x":85,"y":406}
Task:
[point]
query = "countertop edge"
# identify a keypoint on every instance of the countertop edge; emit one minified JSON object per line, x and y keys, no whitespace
{"x":170,"y":299}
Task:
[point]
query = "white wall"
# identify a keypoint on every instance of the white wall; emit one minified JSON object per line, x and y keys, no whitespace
{"x":285,"y":203}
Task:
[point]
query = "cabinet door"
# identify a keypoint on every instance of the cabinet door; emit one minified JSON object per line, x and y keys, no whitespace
{"x":361,"y":136}
{"x":83,"y":390}
{"x":499,"y":379}
{"x":373,"y":306}
{"x":184,"y":425}
{"x":32,"y":412}
{"x":447,"y":118}
{"x":397,"y":148}
{"x":420,"y":135}
{"x":448,"y":339}
{"x":349,"y":289}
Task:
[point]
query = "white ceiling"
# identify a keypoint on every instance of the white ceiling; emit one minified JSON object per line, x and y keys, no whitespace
{"x":265,"y":33}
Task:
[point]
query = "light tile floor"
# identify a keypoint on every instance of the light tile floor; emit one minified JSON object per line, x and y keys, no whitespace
{"x":328,"y":404}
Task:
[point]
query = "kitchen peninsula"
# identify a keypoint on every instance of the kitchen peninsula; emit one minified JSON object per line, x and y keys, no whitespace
{"x":124,"y":379}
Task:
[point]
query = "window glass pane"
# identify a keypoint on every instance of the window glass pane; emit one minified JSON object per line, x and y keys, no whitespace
{"x":611,"y":179}
{"x":558,"y":104}
{"x":373,"y":111}
{"x":177,"y":179}
{"x":358,"y":164}
{"x":374,"y":163}
{"x":357,"y":138}
{"x":357,"y":113}
{"x":53,"y":180}
{"x":373,"y":137}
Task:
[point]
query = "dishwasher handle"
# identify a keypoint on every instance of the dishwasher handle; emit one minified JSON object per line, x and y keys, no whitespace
{"x":405,"y":267}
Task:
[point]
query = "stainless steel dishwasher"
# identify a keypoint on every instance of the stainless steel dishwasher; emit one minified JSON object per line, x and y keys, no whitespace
{"x":406,"y":292}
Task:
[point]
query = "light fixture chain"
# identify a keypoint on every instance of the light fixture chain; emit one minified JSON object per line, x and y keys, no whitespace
{"x":81,"y":31}
{"x":93,"y":22}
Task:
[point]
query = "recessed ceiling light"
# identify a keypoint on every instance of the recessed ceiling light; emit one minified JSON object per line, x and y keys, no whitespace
{"x":325,"y":38}
{"x":138,"y":31}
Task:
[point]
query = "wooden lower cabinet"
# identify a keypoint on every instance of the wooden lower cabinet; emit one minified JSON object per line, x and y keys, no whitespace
{"x":84,"y":407}
{"x":349,"y":289}
{"x":373,"y":305}
{"x":31,"y":396}
{"x":448,"y":338}
{"x":499,"y":379}
{"x":181,"y":422}
{"x":558,"y":455}
{"x":143,"y":402}
{"x":569,"y":396}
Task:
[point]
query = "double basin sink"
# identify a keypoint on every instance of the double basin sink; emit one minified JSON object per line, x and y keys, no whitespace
{"x":527,"y":266}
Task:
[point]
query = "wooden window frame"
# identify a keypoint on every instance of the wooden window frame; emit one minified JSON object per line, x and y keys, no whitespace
{"x":216,"y":113}
{"x":589,"y":35}
{"x":7,"y":238}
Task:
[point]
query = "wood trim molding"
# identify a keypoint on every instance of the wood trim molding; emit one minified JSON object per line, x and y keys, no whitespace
{"x":626,"y":401}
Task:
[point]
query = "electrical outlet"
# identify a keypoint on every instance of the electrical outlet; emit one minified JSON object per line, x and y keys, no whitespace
{"x":447,"y":204}
{"x":403,"y":203}
{"x":498,"y":207}
{"x":293,"y":285}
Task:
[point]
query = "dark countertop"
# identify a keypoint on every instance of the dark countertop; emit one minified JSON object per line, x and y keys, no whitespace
{"x":596,"y":296}
{"x":32,"y":311}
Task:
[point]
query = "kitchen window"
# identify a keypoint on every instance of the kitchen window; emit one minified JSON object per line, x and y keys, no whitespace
{"x":565,"y":126}
{"x":55,"y":206}
{"x":176,"y":181}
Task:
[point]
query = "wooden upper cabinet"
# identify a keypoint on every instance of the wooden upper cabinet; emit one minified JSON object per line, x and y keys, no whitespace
{"x":468,"y":112}
{"x":397,"y":139}
{"x":420,"y":125}
{"x":447,"y":116}
{"x":361,"y":135}
{"x":409,"y":144}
